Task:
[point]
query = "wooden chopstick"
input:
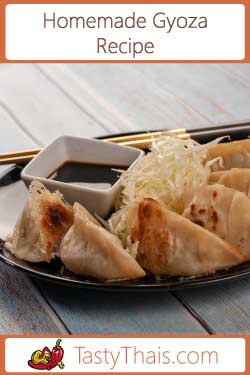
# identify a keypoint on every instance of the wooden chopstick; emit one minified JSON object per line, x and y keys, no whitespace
{"x":142,"y":136}
{"x":17,"y":153}
{"x":145,"y":143}
{"x":136,"y":140}
{"x":18,"y":159}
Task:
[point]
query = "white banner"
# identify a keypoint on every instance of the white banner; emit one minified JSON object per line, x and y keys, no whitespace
{"x":125,"y":32}
{"x":125,"y":355}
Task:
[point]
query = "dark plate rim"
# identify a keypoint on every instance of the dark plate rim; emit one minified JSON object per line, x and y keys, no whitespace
{"x":188,"y":282}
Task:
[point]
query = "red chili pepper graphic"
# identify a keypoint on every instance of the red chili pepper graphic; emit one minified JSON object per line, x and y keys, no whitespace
{"x":37,"y":366}
{"x":56,"y":357}
{"x":47,"y":360}
{"x":57,"y":352}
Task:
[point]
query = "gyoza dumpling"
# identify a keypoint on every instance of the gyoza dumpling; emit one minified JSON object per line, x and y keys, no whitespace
{"x":235,"y":178}
{"x":170,"y":244}
{"x":46,"y":217}
{"x":215,"y":176}
{"x":223,"y":211}
{"x":90,"y":250}
{"x":234,"y":155}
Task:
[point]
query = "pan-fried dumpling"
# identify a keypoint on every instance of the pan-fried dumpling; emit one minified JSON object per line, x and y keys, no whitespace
{"x":90,"y":250}
{"x":235,"y":178}
{"x":46,"y":217}
{"x":223,"y":211}
{"x":215,"y":176}
{"x":234,"y":155}
{"x":170,"y":244}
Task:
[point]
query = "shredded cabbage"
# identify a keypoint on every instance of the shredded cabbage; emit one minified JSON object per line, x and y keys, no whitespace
{"x":172,"y":169}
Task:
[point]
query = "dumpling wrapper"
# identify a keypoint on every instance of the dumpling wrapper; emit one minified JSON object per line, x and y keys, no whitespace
{"x":234,"y":155}
{"x":170,"y":244}
{"x":215,"y":176}
{"x":235,"y":178}
{"x":90,"y":250}
{"x":46,"y":217}
{"x":224,"y":212}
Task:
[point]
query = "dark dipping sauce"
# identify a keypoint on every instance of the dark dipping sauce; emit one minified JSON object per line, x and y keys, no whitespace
{"x":97,"y":176}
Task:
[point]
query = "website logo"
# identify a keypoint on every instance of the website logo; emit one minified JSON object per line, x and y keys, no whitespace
{"x":47,"y":359}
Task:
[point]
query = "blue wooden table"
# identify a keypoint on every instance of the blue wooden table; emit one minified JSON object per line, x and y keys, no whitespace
{"x":41,"y":102}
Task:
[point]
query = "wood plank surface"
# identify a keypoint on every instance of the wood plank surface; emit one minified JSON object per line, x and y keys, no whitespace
{"x":40,"y":102}
{"x":240,"y":71}
{"x":41,"y":108}
{"x":142,"y":100}
{"x":77,"y":89}
{"x":22,"y":308}
{"x":225,"y":308}
{"x":207,"y":88}
{"x":10,"y":131}
{"x":106,"y":312}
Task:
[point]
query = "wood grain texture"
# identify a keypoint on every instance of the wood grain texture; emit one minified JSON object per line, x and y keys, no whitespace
{"x":22,"y":308}
{"x":240,"y":71}
{"x":224,"y":308}
{"x":140,"y":99}
{"x":40,"y":107}
{"x":207,"y":88}
{"x":120,"y":312}
{"x":77,"y":89}
{"x":11,"y":134}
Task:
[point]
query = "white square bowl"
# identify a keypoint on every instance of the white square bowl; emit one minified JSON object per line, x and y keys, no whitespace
{"x":84,"y":150}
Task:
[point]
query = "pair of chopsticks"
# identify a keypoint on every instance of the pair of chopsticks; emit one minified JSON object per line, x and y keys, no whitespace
{"x":18,"y":157}
{"x":142,"y":140}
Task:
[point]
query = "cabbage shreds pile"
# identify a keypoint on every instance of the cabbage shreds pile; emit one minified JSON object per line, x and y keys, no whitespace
{"x":172,"y":169}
